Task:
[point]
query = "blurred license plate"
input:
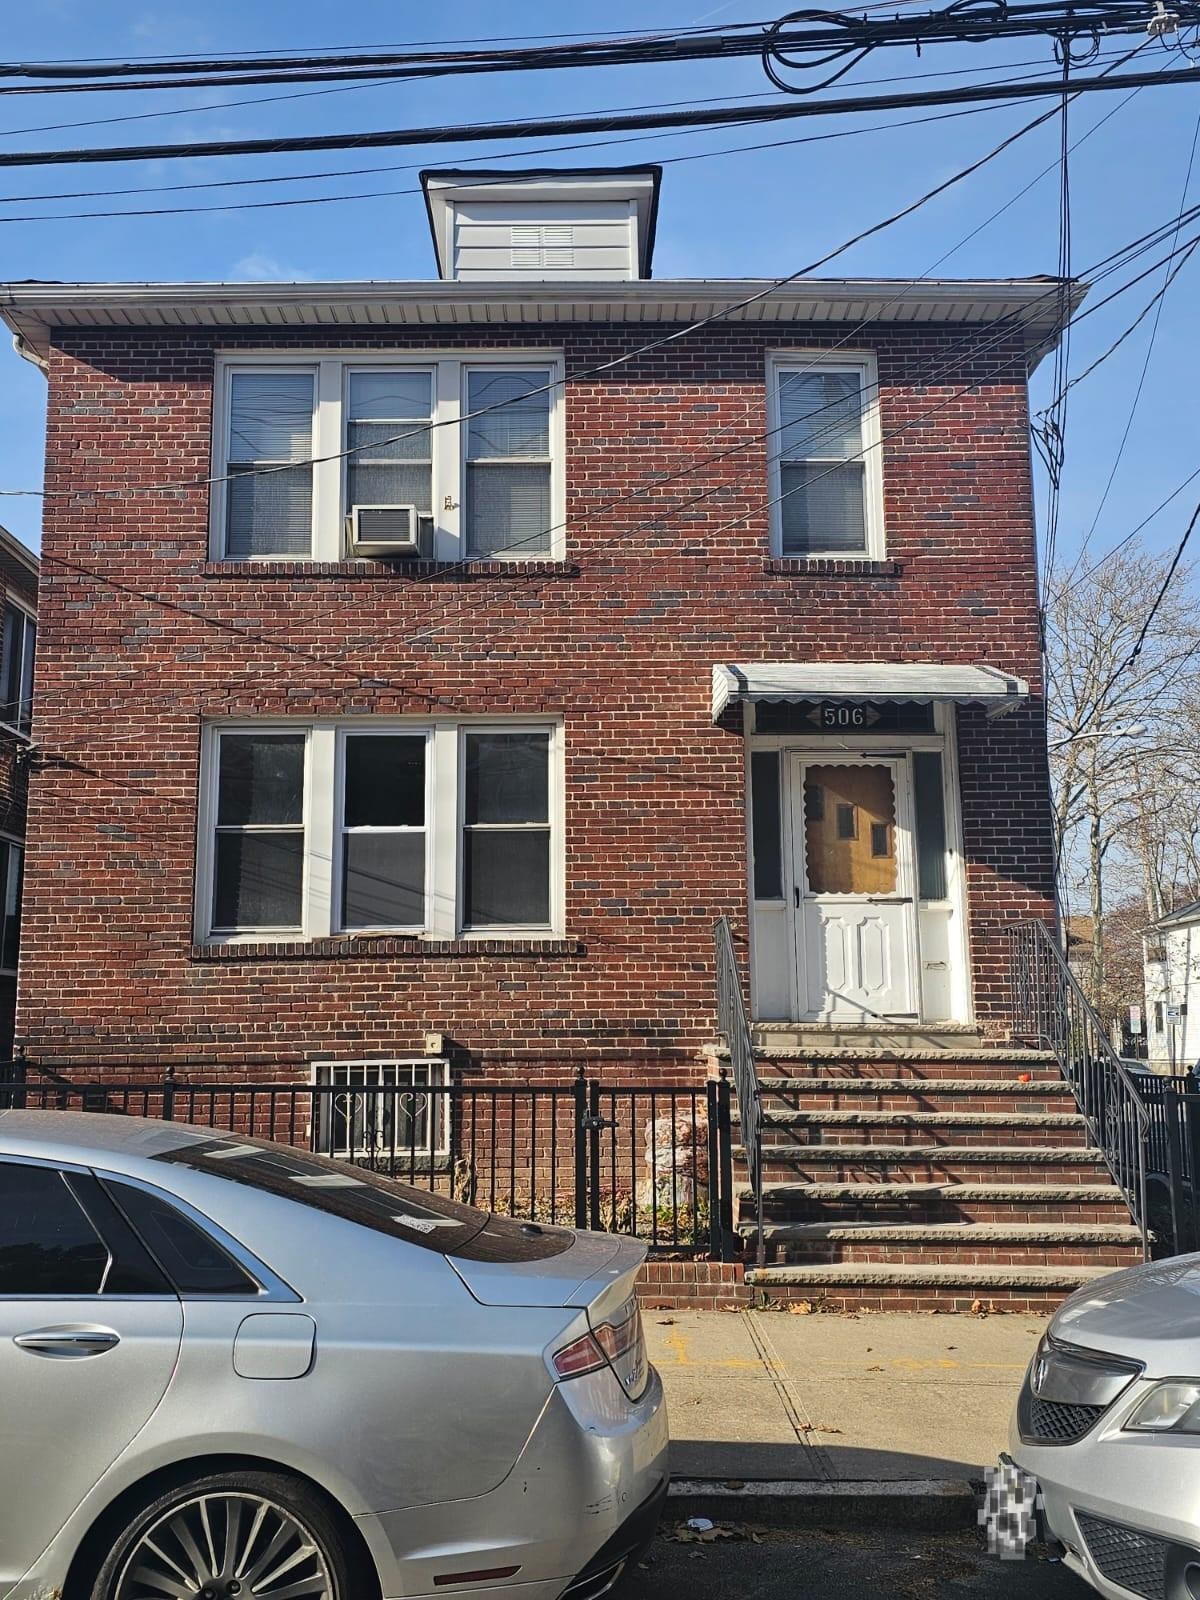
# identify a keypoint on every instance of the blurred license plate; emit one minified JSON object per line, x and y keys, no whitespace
{"x":1009,"y":1513}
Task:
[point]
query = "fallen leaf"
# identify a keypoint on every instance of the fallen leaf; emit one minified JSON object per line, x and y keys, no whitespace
{"x":817,"y":1427}
{"x":800,"y":1308}
{"x":874,"y":1369}
{"x":666,"y":1322}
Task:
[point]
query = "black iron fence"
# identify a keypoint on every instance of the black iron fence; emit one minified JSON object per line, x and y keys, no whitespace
{"x":1051,"y":1009}
{"x":650,"y":1161}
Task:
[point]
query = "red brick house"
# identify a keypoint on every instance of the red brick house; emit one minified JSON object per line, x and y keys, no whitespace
{"x":18,"y":639}
{"x":443,"y":657}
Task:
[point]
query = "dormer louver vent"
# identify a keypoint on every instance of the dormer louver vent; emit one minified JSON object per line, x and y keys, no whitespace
{"x":589,"y":226}
{"x":537,"y":245}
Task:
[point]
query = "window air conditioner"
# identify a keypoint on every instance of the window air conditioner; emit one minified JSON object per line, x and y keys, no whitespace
{"x":383,"y":530}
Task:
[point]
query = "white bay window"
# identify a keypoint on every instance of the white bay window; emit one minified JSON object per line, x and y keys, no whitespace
{"x":439,"y":829}
{"x":473,"y":444}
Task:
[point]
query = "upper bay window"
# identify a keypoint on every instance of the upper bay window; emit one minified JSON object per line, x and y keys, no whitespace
{"x":466,"y":452}
{"x":825,"y":479}
{"x":438,"y":829}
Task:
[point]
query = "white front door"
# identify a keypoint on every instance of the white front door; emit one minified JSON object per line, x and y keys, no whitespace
{"x":853,"y":902}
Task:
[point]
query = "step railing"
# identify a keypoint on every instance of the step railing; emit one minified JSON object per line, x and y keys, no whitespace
{"x":1051,"y":1009}
{"x":734,"y":1024}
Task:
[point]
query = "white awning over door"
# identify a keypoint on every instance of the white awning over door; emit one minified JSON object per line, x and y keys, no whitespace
{"x":882,"y":682}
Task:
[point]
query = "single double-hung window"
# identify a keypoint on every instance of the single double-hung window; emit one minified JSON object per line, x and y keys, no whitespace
{"x":16,"y":668}
{"x":506,"y":830}
{"x":389,"y":441}
{"x":269,"y":425}
{"x":383,"y":860}
{"x":508,"y":463}
{"x":12,"y":868}
{"x":258,"y":848}
{"x":826,"y":479}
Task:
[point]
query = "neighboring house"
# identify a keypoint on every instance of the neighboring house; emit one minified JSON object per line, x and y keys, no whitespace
{"x":538,"y":615}
{"x":1171,"y":950}
{"x":773,"y":582}
{"x":18,"y":638}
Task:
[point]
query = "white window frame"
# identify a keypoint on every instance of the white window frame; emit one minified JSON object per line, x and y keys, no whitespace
{"x":339,"y":816}
{"x":332,"y":368}
{"x":323,"y":788}
{"x":331,"y":1073}
{"x":554,"y":801}
{"x":30,"y":615}
{"x":862,"y":362}
{"x":11,"y":844}
{"x":206,"y":856}
{"x":222,"y":415}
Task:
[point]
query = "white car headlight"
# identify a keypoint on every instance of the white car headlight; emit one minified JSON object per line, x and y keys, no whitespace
{"x":1172,"y":1407}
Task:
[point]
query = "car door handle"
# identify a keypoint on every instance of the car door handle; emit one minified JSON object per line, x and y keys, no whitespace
{"x":67,"y":1342}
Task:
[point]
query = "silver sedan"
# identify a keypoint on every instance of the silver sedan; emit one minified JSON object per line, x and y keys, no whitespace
{"x":1104,"y":1453}
{"x":232,"y":1368}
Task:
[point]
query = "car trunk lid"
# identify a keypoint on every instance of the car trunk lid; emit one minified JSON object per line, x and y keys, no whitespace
{"x":588,"y":1269}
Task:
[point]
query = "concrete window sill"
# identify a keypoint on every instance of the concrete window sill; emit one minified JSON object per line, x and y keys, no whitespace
{"x":376,"y":947}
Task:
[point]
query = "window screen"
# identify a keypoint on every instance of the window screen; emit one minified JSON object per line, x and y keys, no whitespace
{"x":822,"y":487}
{"x":268,"y":512}
{"x":389,"y":439}
{"x":259,"y":848}
{"x":931,"y":825}
{"x":506,"y":830}
{"x":508,"y":462}
{"x":768,"y":844}
{"x":48,"y":1246}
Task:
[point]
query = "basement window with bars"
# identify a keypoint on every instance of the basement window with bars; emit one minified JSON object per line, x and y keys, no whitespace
{"x":826,"y":494}
{"x":372,"y":1110}
{"x":440,"y":830}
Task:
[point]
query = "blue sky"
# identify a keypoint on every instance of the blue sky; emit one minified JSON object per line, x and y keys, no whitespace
{"x":761,"y":213}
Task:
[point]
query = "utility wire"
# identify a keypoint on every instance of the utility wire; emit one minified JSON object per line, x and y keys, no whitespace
{"x":720,"y":116}
{"x":673,"y":337}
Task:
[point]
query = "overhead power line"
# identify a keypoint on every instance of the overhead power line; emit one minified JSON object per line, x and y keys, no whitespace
{"x":802,"y":41}
{"x":470,"y":133}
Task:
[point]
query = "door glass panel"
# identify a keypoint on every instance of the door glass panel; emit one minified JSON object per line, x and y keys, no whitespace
{"x":768,"y":841}
{"x":850,"y":829}
{"x":931,"y":825}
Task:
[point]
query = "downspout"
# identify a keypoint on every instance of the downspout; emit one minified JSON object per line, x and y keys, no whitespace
{"x":28,"y":354}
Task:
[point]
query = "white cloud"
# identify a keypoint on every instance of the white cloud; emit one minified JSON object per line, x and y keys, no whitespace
{"x":261,"y":268}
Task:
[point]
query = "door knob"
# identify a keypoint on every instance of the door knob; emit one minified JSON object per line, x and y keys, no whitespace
{"x":67,"y":1343}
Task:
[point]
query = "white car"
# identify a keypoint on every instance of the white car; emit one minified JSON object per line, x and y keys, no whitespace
{"x":1105,"y":1441}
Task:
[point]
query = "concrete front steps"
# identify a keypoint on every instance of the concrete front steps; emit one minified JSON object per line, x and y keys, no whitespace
{"x":917,"y":1173}
{"x":928,"y":1287}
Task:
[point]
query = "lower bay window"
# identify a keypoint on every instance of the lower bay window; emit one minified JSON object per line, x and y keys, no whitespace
{"x":366,"y":826}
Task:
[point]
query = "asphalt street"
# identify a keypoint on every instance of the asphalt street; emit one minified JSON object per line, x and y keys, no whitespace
{"x":844,"y":1564}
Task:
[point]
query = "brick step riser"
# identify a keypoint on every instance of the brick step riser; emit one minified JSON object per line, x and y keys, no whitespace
{"x":807,"y":1136}
{"x":919,"y":1255}
{"x":908,"y":1298}
{"x":934,"y":1211}
{"x":805,"y":1169}
{"x":933,"y":1099}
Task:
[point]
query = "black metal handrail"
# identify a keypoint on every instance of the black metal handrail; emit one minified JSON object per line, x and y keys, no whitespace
{"x":1051,"y":1008}
{"x":735,"y":1026}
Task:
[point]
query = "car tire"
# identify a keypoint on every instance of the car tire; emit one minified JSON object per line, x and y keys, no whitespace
{"x":243,"y":1524}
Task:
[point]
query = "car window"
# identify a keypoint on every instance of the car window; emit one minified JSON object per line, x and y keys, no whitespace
{"x":432,"y":1221}
{"x":47,"y":1243}
{"x":195,"y":1263}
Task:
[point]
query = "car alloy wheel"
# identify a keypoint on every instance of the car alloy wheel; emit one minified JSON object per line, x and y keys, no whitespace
{"x":219,"y":1544}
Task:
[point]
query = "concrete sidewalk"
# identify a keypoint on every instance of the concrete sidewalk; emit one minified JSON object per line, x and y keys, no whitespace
{"x":831,"y":1400}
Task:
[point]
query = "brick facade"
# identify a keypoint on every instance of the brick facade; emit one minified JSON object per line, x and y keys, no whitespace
{"x":143,"y":639}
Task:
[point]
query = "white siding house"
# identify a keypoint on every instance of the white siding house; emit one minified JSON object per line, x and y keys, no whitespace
{"x":1171,"y":951}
